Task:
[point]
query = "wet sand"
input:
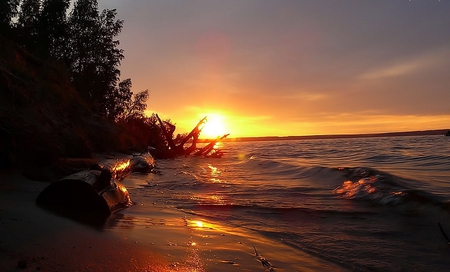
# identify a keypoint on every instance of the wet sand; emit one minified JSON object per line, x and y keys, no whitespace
{"x":34,"y":239}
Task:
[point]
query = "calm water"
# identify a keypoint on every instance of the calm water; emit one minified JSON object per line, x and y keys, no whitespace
{"x":367,"y":204}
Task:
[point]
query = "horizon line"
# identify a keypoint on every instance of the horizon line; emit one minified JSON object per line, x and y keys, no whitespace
{"x":334,"y":136}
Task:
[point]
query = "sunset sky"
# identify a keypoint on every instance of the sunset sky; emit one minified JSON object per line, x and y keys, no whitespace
{"x":297,"y":67}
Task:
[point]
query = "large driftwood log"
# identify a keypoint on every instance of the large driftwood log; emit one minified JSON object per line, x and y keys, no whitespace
{"x":92,"y":195}
{"x":194,"y":135}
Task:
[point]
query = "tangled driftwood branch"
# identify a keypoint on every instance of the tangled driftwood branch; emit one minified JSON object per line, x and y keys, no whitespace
{"x":178,"y":149}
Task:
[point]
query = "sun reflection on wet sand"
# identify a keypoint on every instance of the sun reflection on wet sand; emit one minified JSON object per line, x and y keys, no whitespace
{"x":198,"y":244}
{"x":198,"y":224}
{"x":203,"y":225}
{"x":187,"y":239}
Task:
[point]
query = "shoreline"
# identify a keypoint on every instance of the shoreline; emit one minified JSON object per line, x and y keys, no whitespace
{"x":147,"y":236}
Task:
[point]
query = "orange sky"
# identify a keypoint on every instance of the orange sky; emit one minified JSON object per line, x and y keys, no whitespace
{"x":290,"y":67}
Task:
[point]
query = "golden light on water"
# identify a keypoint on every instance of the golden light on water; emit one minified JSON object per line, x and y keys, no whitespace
{"x":214,"y":170}
{"x":241,"y":156}
{"x":215,"y":174}
{"x":217,"y":199}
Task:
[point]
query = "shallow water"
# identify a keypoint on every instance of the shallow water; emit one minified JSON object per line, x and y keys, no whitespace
{"x":364,"y":204}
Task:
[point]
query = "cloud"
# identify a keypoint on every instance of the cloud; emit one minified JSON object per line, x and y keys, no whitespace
{"x":392,"y":71}
{"x":437,"y":58}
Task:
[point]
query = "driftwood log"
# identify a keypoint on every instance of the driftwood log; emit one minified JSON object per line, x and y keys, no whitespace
{"x":92,"y":195}
{"x":174,"y":149}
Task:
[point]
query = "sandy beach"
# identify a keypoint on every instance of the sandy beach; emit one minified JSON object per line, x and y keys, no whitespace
{"x":35,"y":239}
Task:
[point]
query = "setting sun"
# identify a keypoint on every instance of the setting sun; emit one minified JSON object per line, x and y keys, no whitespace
{"x":214,"y":126}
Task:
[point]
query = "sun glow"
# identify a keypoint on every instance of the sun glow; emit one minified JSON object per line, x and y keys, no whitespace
{"x":214,"y":126}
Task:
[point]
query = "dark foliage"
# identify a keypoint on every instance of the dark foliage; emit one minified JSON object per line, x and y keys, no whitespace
{"x":82,"y":39}
{"x":60,"y":84}
{"x":27,"y":26}
{"x":42,"y":117}
{"x":8,"y":10}
{"x":94,"y":65}
{"x":142,"y":133}
{"x":53,"y":29}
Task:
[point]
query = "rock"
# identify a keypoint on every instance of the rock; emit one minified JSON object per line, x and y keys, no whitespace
{"x":142,"y":163}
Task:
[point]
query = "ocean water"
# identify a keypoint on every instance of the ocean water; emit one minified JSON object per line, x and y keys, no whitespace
{"x":360,"y":204}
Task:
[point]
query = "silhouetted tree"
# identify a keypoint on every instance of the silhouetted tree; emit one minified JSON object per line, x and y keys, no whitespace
{"x":94,"y":56}
{"x":84,"y":26}
{"x":109,"y":57}
{"x":8,"y":10}
{"x":136,"y":107}
{"x":53,"y":29}
{"x":118,"y":100}
{"x":85,"y":42}
{"x":28,"y":24}
{"x":124,"y":105}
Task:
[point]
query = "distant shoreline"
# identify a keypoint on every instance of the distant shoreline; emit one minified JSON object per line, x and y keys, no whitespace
{"x":338,"y":136}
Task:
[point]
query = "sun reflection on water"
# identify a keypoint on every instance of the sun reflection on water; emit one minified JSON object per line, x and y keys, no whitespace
{"x":214,"y":170}
{"x":215,"y":180}
{"x":212,"y":199}
{"x":215,"y":173}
